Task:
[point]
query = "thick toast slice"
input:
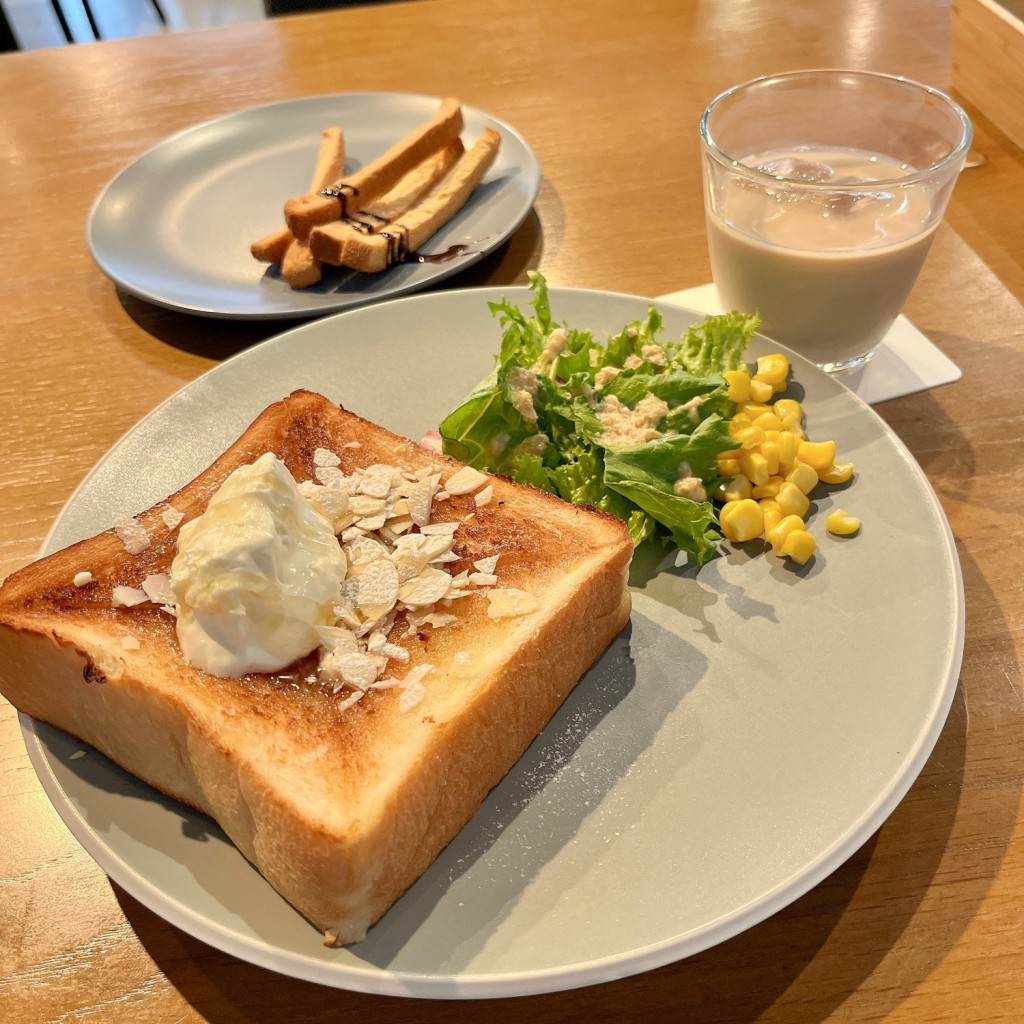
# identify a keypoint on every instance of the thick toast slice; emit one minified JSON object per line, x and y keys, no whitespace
{"x":340,"y":805}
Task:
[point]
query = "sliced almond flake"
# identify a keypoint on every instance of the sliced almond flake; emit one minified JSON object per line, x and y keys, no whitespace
{"x":508,"y":602}
{"x":413,"y":690}
{"x":367,"y":505}
{"x":373,"y":522}
{"x":483,"y":579}
{"x":455,"y":593}
{"x":406,"y":572}
{"x":361,"y":550}
{"x":420,"y":499}
{"x":441,"y":496}
{"x":172,"y":517}
{"x":132,"y":534}
{"x":482,"y":498}
{"x":375,"y":486}
{"x":330,"y":476}
{"x":353,"y":698}
{"x":434,"y":619}
{"x":323,"y":457}
{"x":435,"y":529}
{"x":128,"y":597}
{"x":488,"y":564}
{"x":351,"y":444}
{"x":337,"y":638}
{"x":355,"y":668}
{"x":375,"y":589}
{"x":157,"y":588}
{"x":330,"y":501}
{"x":465,"y":481}
{"x":412,"y":694}
{"x":387,"y":683}
{"x":350,"y":534}
{"x":394,"y":528}
{"x":347,"y":615}
{"x":130,"y":643}
{"x":398,"y":508}
{"x":81,"y":578}
{"x":395,"y":651}
{"x":426,"y":588}
{"x":377,"y":639}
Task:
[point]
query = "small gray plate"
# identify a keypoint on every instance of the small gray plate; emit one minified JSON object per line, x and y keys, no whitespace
{"x":174,"y":227}
{"x":753,"y":725}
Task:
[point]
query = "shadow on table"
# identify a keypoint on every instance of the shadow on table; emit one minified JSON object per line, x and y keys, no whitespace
{"x":219,"y":338}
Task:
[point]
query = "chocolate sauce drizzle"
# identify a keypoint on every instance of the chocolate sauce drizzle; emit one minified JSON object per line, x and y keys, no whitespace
{"x":439,"y":257}
{"x":342,"y":192}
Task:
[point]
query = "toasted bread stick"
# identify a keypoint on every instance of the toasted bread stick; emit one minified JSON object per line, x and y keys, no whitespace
{"x":359,"y":190}
{"x":409,"y":190}
{"x":330,"y":161}
{"x":300,"y":268}
{"x":393,"y":204}
{"x":371,"y":253}
{"x":271,"y":248}
{"x":330,"y":165}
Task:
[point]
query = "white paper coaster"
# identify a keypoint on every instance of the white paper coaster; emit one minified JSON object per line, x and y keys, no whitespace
{"x":905,"y":362}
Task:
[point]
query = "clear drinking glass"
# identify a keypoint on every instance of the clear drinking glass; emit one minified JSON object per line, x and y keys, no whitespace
{"x":822,"y":192}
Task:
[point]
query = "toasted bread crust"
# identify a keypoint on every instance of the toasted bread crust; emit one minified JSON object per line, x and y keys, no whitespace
{"x":341,"y":810}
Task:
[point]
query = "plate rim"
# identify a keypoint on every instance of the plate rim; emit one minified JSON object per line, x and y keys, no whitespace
{"x":379,"y":981}
{"x":529,"y":181}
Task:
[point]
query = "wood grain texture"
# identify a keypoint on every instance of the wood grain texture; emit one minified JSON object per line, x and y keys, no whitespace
{"x":987,"y":42}
{"x":924,"y":922}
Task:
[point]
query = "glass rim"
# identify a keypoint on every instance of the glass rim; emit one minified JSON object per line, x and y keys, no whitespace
{"x":958,"y":152}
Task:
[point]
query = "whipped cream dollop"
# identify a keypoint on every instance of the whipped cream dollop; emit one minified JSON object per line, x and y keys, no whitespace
{"x":255,"y":574}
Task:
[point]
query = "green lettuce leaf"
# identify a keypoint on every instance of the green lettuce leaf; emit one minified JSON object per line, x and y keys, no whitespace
{"x":538,"y":416}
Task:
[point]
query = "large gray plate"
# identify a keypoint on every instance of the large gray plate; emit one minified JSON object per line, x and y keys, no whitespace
{"x":174,"y":226}
{"x":749,"y":730}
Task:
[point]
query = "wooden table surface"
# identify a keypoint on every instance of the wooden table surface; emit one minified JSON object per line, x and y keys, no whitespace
{"x":924,"y":923}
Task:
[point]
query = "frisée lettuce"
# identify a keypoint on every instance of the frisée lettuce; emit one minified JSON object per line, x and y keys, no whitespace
{"x":632,"y":425}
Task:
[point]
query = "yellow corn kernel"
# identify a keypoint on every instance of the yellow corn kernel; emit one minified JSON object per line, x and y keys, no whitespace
{"x":739,"y":422}
{"x":818,"y":454}
{"x":753,"y":409}
{"x":798,"y":545}
{"x":772,"y":435}
{"x":768,"y":421}
{"x":770,"y":451}
{"x":782,"y":529}
{"x":773,"y":369}
{"x":754,"y":467}
{"x":841,"y":523}
{"x":735,"y":489}
{"x":771,"y":512}
{"x":803,"y":476}
{"x":838,"y":474}
{"x":788,"y":407}
{"x":760,"y":390}
{"x":739,"y":385}
{"x":792,"y":500}
{"x":741,"y":520}
{"x":729,"y":467}
{"x":794,"y":424}
{"x":788,"y":442}
{"x":769,"y":489}
{"x":750,"y":437}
